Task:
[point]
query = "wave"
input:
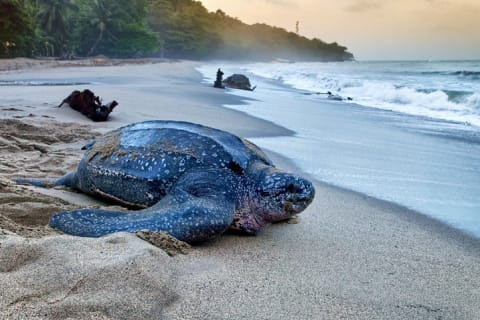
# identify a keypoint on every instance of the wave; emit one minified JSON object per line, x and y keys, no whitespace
{"x":447,"y":105}
{"x":456,"y":73}
{"x":40,"y":83}
{"x":467,"y":74}
{"x":421,"y":96}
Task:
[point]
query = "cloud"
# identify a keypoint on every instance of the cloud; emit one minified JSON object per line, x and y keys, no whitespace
{"x":283,"y":3}
{"x":279,"y":3}
{"x":364,"y":5}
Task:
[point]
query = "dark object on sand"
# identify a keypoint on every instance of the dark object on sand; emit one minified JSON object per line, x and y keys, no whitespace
{"x":238,"y":81}
{"x":331,"y":96}
{"x":337,"y":97}
{"x":193,"y":182}
{"x":88,"y":104}
{"x":219,"y":80}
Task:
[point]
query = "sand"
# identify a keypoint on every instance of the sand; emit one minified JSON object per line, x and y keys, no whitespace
{"x":348,"y":257}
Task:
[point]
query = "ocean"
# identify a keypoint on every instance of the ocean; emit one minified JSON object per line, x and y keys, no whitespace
{"x":407,"y":132}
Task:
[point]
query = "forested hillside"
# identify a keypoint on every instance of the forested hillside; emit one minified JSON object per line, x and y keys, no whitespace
{"x":147,"y":28}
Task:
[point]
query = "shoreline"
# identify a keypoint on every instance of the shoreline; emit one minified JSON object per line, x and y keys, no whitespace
{"x":275,"y":130}
{"x":13,"y":64}
{"x":350,"y":255}
{"x":385,"y":117}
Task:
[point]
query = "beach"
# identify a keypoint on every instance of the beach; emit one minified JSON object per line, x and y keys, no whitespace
{"x":350,"y":256}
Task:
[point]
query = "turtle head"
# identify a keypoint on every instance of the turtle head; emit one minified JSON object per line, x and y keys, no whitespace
{"x":283,"y":195}
{"x":275,"y":196}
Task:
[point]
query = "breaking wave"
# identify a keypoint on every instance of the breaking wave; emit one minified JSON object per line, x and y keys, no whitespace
{"x":434,"y":94}
{"x":467,"y":74}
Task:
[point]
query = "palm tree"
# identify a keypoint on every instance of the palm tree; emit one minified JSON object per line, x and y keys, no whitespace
{"x":52,"y":17}
{"x":105,"y":17}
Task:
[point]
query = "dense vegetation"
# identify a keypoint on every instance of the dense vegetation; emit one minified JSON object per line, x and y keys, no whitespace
{"x":146,"y":28}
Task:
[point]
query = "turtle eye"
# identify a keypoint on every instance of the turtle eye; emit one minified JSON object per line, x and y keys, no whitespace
{"x":291,"y":188}
{"x":235,"y":167}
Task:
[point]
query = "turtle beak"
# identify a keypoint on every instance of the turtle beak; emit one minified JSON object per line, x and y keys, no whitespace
{"x":287,"y":195}
{"x":298,"y":195}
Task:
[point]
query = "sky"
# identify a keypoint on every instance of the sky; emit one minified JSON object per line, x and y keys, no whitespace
{"x":373,"y":29}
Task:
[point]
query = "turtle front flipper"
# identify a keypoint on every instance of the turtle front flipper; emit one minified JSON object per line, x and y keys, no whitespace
{"x":186,"y":223}
{"x":198,"y":208}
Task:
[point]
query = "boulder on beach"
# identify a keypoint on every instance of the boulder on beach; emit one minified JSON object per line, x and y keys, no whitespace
{"x":238,"y":81}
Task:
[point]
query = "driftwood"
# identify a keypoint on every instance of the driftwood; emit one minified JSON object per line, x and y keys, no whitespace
{"x":88,"y":104}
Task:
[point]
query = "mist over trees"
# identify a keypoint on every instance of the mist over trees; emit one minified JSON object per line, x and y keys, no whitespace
{"x":147,"y":28}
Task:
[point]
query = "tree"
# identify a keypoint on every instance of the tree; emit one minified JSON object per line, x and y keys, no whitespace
{"x":133,"y":28}
{"x":52,"y":19}
{"x":104,"y":17}
{"x":114,"y":28}
{"x":135,"y":41}
{"x":185,"y":28}
{"x":16,"y":29}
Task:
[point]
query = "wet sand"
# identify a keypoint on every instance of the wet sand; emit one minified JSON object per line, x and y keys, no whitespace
{"x":348,"y":257}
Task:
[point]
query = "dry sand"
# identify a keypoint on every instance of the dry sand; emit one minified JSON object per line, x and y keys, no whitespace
{"x":349,"y":256}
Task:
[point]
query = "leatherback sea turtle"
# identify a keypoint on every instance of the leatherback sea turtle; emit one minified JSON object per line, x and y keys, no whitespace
{"x":192,"y":181}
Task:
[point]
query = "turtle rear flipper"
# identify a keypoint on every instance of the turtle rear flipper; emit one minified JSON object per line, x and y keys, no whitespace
{"x":68,"y":180}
